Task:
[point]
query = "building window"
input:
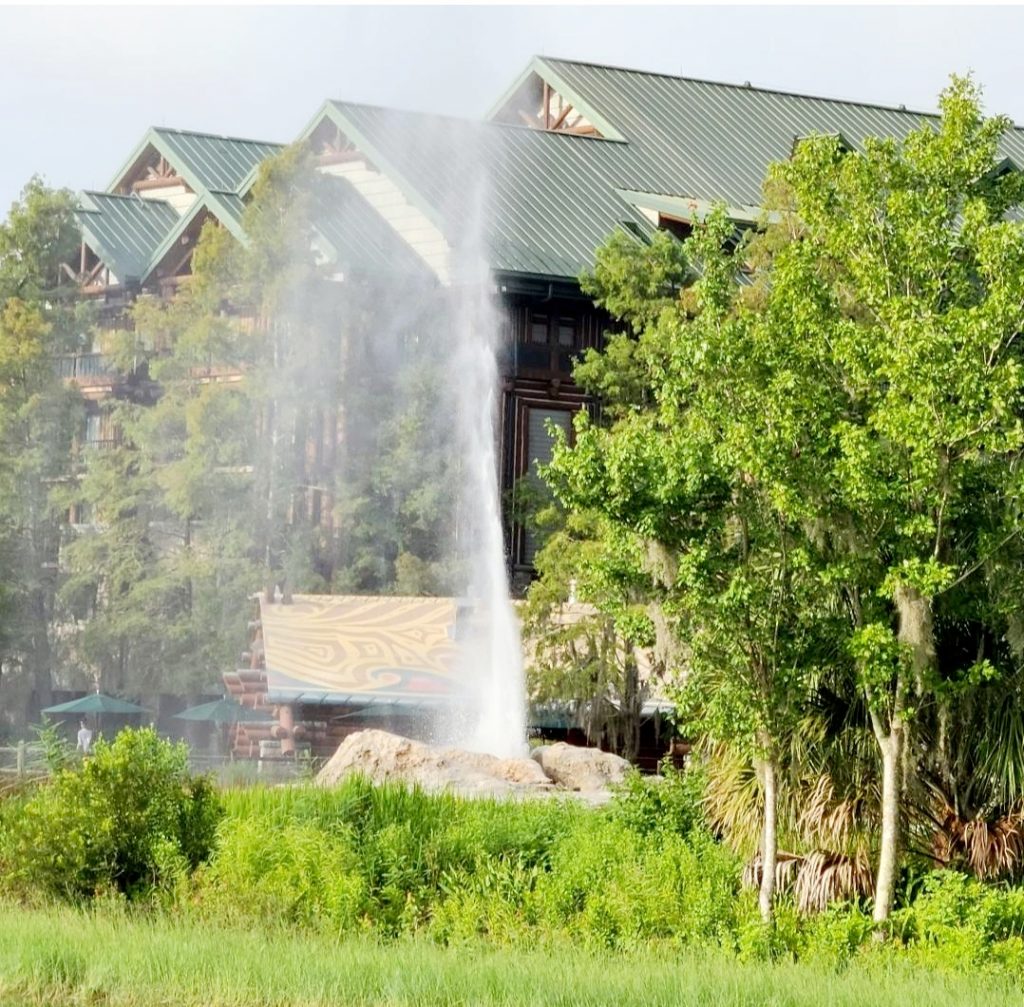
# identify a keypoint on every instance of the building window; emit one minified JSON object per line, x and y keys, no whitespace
{"x":539,"y":449}
{"x":93,"y":428}
{"x":549,"y":340}
{"x":682,"y":229}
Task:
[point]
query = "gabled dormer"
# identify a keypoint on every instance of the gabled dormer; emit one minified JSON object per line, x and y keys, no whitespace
{"x":152,"y":176}
{"x":120,"y":234}
{"x":542,"y":99}
{"x":346,"y":146}
{"x":182,"y":167}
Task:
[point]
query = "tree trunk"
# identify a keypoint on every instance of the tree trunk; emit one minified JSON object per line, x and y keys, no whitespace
{"x":40,"y":657}
{"x":916,"y":632}
{"x":632,"y":707}
{"x":889,"y":852}
{"x":769,"y":841}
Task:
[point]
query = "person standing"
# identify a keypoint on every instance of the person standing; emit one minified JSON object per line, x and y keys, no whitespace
{"x":84,"y":738}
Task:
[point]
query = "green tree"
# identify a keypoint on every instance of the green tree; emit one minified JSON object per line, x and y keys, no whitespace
{"x":587,"y":614}
{"x":39,"y":319}
{"x":292,"y":448}
{"x":839,"y":435}
{"x":890,"y":320}
{"x":670,"y":470}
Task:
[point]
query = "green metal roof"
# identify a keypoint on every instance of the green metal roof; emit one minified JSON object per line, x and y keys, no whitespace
{"x":715,"y":141}
{"x":670,"y":144}
{"x":125,"y":231}
{"x":539,"y":202}
{"x":219,"y":169}
{"x":208,"y":163}
{"x":217,"y":163}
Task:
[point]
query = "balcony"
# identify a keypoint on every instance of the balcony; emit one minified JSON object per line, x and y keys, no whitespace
{"x":85,"y":367}
{"x":94,"y":374}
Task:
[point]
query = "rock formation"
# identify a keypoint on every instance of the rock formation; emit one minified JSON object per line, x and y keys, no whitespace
{"x":553,"y":769}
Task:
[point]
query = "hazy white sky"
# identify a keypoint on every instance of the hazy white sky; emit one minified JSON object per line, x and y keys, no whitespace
{"x":79,"y":86}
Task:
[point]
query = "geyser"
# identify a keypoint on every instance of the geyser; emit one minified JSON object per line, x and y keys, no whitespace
{"x":495,"y":718}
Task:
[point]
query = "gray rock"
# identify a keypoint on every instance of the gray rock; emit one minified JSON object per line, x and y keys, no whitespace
{"x":582,"y":769}
{"x":381,"y":756}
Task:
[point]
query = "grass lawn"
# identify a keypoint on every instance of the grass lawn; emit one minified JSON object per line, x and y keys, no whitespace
{"x":61,"y":957}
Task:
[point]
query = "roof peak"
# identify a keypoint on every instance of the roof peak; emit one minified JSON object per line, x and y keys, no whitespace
{"x":745,"y":86}
{"x":215,"y":136}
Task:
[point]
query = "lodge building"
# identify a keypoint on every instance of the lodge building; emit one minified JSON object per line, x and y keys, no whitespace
{"x":571,"y":153}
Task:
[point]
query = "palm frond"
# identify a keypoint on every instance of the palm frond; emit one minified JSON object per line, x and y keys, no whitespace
{"x":988,"y":849}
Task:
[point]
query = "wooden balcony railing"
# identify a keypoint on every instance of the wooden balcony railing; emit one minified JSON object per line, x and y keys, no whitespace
{"x":84,"y":366}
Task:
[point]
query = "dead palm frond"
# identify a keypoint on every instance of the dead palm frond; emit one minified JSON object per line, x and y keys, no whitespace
{"x":826,"y":877}
{"x":786,"y":867}
{"x":989,"y":849}
{"x":837,"y":820}
{"x":817,"y":878}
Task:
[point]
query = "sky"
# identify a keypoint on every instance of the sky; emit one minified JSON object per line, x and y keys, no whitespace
{"x":79,"y":86}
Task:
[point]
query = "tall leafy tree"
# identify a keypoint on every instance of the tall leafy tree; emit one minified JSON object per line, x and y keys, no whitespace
{"x":891,"y":322}
{"x":827,"y":455}
{"x":671,"y":470}
{"x":292,"y":447}
{"x":39,"y":319}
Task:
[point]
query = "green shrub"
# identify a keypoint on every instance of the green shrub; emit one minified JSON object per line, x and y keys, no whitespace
{"x":608,"y":887}
{"x":959,"y":924}
{"x":297,"y":874}
{"x":834,"y":937}
{"x":672,"y":802}
{"x":57,"y":751}
{"x":129,"y":818}
{"x":408,"y":852}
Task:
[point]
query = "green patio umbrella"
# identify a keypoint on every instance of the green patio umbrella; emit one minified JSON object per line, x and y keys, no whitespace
{"x":96,"y":702}
{"x":225,"y":711}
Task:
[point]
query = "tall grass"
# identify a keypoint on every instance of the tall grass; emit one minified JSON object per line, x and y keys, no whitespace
{"x":640,"y":877}
{"x":399,"y":861}
{"x":63,"y":957}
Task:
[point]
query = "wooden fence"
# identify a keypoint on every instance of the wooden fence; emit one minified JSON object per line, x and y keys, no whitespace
{"x":25,"y":759}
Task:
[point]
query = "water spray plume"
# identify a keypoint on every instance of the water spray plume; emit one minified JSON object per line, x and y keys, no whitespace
{"x":496,"y":718}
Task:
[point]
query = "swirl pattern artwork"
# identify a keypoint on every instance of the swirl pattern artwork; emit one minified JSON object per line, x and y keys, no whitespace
{"x":359,"y":645}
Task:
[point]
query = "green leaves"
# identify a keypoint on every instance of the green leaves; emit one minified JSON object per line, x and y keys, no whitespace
{"x":126,"y":819}
{"x":831,"y":455}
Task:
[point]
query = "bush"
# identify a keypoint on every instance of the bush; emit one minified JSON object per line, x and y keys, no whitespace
{"x":960,"y":924}
{"x":610,"y":888}
{"x":297,"y":874}
{"x":672,"y":802}
{"x":129,"y":818}
{"x":389,"y":856}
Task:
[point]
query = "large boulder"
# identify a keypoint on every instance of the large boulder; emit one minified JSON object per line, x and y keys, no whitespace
{"x":582,"y":769}
{"x":382,"y":756}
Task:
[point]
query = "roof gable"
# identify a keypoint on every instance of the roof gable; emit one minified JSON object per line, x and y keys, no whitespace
{"x":207,"y":163}
{"x":531,"y":201}
{"x":125,"y":231}
{"x":715,"y":141}
{"x":541,"y":98}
